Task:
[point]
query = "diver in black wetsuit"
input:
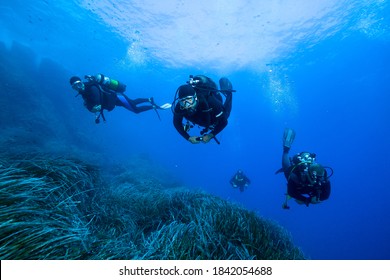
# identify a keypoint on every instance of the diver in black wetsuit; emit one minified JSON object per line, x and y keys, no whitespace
{"x":102,"y":93}
{"x":240,"y":180}
{"x":307,"y":181}
{"x":200,"y":103}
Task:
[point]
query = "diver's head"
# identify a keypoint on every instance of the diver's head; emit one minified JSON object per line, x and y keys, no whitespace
{"x":187,"y":98}
{"x":239,"y":171}
{"x":76,"y":83}
{"x":317,"y":173}
{"x":304,"y":157}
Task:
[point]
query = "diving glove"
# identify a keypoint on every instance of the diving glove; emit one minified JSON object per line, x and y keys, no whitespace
{"x":288,"y":137}
{"x":194,"y":140}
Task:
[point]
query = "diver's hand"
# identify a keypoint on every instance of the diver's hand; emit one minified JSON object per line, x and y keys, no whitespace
{"x":315,"y":200}
{"x":96,"y":108}
{"x":305,"y":202}
{"x":206,"y":138}
{"x":194,"y":140}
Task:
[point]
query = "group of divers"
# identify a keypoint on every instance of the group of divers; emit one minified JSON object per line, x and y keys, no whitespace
{"x":199,"y":102}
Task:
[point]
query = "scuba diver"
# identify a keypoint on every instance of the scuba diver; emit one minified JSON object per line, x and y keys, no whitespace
{"x":240,"y":180}
{"x":307,"y":181}
{"x":201,"y":103}
{"x":100,"y":93}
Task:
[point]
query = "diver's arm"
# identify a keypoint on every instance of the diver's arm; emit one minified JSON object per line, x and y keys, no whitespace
{"x":294,"y":193}
{"x":325,"y":191}
{"x":91,"y":97}
{"x":221,"y":124}
{"x":178,"y":123}
{"x":233,"y":181}
{"x":220,"y":116}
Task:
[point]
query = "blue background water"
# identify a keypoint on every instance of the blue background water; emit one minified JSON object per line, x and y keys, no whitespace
{"x":323,"y":71}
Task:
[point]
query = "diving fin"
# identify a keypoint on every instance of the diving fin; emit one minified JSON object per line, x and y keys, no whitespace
{"x":225,"y":85}
{"x":279,"y":171}
{"x":165,"y":106}
{"x":285,"y":205}
{"x":288,"y":137}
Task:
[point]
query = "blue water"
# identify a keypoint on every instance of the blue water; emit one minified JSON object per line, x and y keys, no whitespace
{"x":322,"y":69}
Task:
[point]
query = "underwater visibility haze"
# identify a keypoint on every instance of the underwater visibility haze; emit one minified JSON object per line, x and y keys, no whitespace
{"x":133,"y":188}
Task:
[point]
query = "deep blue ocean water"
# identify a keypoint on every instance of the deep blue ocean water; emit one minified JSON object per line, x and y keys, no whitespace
{"x":322,"y":69}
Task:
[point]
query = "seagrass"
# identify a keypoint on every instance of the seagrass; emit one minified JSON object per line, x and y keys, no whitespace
{"x":62,"y":208}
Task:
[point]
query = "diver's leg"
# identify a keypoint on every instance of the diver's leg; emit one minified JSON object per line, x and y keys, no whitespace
{"x":125,"y":102}
{"x":131,"y":105}
{"x":286,"y":162}
{"x":143,"y":100}
{"x":288,"y":139}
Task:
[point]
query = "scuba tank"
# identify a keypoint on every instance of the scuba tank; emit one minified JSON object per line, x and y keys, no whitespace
{"x":110,"y":83}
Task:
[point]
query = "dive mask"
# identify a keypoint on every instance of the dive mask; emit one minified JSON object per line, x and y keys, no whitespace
{"x":188,"y":102}
{"x":78,"y":85}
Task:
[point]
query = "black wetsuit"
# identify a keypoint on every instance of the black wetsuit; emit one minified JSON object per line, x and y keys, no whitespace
{"x":298,"y":185}
{"x":93,"y":95}
{"x":240,"y":180}
{"x":303,"y":191}
{"x":208,"y":114}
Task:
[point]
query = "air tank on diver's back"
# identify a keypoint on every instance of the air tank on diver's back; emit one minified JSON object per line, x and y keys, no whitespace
{"x":110,"y":83}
